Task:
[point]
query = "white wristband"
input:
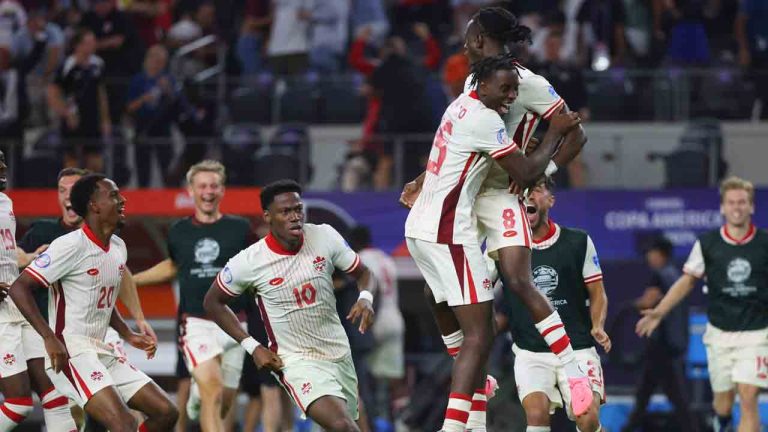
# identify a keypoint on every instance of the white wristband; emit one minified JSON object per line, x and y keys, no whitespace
{"x":551,"y":168}
{"x":249,"y":344}
{"x":365,"y":294}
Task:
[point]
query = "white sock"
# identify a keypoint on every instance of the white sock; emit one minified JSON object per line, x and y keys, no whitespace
{"x":599,"y":428}
{"x":13,"y":411}
{"x":56,"y":412}
{"x":477,"y":416}
{"x":538,"y":429}
{"x":457,"y":413}
{"x":453,"y":342}
{"x":553,"y":332}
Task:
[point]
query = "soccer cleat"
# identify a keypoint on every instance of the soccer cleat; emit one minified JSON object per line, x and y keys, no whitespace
{"x":491,"y":386}
{"x":193,"y":402}
{"x":581,"y":395}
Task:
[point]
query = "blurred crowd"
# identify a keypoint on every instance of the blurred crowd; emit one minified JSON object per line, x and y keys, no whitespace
{"x":88,"y":70}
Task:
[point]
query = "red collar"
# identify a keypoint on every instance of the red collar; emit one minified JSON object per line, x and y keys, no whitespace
{"x":549,"y":234}
{"x":277,"y":248}
{"x":473,"y":95}
{"x":747,"y":237}
{"x":93,"y":238}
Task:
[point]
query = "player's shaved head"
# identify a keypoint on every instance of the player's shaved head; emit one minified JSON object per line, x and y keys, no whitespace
{"x":274,"y":189}
{"x":82,"y":192}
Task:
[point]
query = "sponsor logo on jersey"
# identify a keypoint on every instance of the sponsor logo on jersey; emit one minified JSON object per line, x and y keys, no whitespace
{"x":276,"y":281}
{"x":43,"y":260}
{"x":553,"y":92}
{"x":93,"y":271}
{"x":319,"y":264}
{"x":306,"y":388}
{"x":739,"y":270}
{"x":510,"y":233}
{"x":9,"y":359}
{"x":97,"y":376}
{"x":206,"y":250}
{"x":545,"y":278}
{"x":226,"y":275}
{"x":487,"y":284}
{"x":501,"y":136}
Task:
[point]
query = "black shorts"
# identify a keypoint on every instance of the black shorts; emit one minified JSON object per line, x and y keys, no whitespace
{"x":252,"y":378}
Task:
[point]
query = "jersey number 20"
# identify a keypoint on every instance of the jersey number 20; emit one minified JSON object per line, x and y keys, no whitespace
{"x":440,"y":143}
{"x":106,"y":297}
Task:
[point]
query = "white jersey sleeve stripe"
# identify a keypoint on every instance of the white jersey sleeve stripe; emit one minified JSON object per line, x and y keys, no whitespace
{"x":594,"y":278}
{"x":560,"y":102}
{"x":354,"y":265}
{"x":37,"y":276}
{"x":505,"y":151}
{"x":222,"y":287}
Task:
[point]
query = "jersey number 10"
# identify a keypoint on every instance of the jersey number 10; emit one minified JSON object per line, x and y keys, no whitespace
{"x":306,"y":296}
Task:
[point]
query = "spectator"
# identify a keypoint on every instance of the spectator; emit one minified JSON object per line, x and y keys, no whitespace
{"x":115,"y":45}
{"x":13,"y":17}
{"x":681,"y":22}
{"x":639,"y":30}
{"x":288,"y":46}
{"x":664,"y":357}
{"x":567,"y":79}
{"x":601,"y":25}
{"x":751,"y":30}
{"x":152,"y":18}
{"x":455,"y":73}
{"x":253,"y":33}
{"x":79,"y":99}
{"x":200,"y":22}
{"x":328,"y":34}
{"x":154,"y":102}
{"x":370,"y":15}
{"x":39,"y":28}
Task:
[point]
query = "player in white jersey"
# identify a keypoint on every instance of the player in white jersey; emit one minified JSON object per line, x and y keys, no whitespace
{"x":85,"y":269}
{"x":387,"y":359}
{"x":440,"y":230}
{"x":290,"y":272}
{"x":500,"y":215}
{"x":21,"y":351}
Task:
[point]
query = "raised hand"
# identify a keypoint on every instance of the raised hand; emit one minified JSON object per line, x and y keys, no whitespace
{"x":363,"y":311}
{"x":264,"y":358}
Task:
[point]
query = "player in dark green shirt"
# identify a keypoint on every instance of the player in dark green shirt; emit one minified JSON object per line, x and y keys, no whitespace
{"x":567,"y":271}
{"x":734,"y":261}
{"x":198,"y":248}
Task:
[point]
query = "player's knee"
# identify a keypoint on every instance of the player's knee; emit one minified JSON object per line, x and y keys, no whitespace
{"x":124,"y":422}
{"x":723,"y":406}
{"x":478,"y":341}
{"x":589,"y":422}
{"x":168,"y":415}
{"x":537,"y":416}
{"x":343,"y":424}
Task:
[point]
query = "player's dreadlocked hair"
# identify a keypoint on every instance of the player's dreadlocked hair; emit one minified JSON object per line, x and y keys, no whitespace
{"x":82,"y":191}
{"x":487,"y":66}
{"x":501,"y":25}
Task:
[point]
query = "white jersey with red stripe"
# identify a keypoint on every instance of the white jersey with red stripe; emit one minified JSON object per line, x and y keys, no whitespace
{"x":389,"y":319}
{"x":470,"y":135}
{"x":294,"y":291}
{"x":536,"y":100}
{"x":84,"y":275}
{"x":9,"y":264}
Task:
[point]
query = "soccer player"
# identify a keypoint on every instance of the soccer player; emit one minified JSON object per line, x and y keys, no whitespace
{"x":290,"y":273}
{"x":86,"y":269}
{"x":500,"y":216}
{"x":44,"y":231}
{"x":440,"y":230}
{"x":21,"y":354}
{"x":198,"y":248}
{"x":734,"y":261}
{"x":567,"y":271}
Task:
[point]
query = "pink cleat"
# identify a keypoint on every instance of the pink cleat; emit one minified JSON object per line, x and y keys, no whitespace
{"x":581,"y":395}
{"x":491,"y":386}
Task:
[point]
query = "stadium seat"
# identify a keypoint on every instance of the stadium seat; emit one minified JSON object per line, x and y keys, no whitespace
{"x":251,"y":105}
{"x":240,"y":142}
{"x":298,"y":102}
{"x":341,"y":102}
{"x":276,"y":166}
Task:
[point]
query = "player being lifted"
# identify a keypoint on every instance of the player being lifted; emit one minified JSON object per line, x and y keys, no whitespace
{"x":440,"y":229}
{"x":86,"y":269}
{"x":44,"y":231}
{"x":21,"y":349}
{"x":198,"y":247}
{"x":500,"y":216}
{"x":565,"y":269}
{"x":290,"y":273}
{"x":734,"y":261}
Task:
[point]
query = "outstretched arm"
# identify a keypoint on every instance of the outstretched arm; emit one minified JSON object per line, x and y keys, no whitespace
{"x":652,"y":317}
{"x":162,"y":272}
{"x":598,"y":310}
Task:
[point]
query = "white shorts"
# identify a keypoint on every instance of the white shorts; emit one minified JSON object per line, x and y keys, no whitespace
{"x":387,"y":360}
{"x":543,"y":372}
{"x":113,"y":340}
{"x":456,"y":274}
{"x":203,"y":340}
{"x":502,"y":221}
{"x":308,"y":380}
{"x":19,"y":343}
{"x":736,"y":358}
{"x":89,"y":372}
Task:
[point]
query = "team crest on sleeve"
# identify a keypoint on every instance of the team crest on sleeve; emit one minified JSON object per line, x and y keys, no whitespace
{"x":43,"y":260}
{"x":319,"y":264}
{"x":226,"y":275}
{"x":501,"y":136}
{"x":596,"y":261}
{"x":553,"y":92}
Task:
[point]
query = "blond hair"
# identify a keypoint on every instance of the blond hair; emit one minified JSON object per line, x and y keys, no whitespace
{"x":737,"y":183}
{"x":207,"y":165}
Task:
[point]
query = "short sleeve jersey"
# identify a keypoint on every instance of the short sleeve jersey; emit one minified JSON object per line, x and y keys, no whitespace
{"x":536,"y":100}
{"x":295,"y":292}
{"x":736,"y":272}
{"x":85,"y":278}
{"x":9,"y":267}
{"x":470,"y":134}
